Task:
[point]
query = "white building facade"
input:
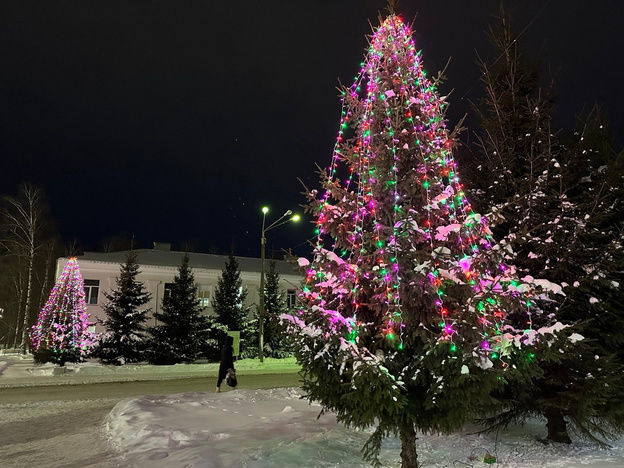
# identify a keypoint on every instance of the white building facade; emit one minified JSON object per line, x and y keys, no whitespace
{"x":157,"y":269}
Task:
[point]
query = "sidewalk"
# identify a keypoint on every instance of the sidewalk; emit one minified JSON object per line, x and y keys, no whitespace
{"x":20,"y":371}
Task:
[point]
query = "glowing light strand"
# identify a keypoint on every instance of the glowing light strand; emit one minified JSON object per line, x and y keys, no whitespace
{"x":429,"y":149}
{"x":62,"y":324}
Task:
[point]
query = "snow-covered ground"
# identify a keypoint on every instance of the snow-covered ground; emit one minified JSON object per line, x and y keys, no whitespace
{"x":18,"y":370}
{"x":275,"y":428}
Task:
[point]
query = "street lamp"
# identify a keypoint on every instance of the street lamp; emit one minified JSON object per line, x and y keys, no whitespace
{"x":277,"y":223}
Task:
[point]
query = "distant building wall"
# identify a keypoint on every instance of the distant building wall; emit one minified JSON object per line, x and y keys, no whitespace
{"x":100,"y":270}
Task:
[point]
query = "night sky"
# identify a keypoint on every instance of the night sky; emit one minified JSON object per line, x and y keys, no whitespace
{"x":176,"y":120}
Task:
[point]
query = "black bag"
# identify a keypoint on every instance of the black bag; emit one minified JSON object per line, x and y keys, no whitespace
{"x":230,"y":378}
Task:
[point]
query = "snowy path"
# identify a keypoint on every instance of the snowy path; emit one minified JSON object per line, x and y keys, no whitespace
{"x":66,"y":434}
{"x":275,"y":429}
{"x":241,"y":428}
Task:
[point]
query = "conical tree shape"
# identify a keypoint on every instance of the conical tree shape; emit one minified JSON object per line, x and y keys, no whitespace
{"x":124,"y":340}
{"x":275,"y":339}
{"x":559,"y":208}
{"x":405,"y":299}
{"x":61,"y":333}
{"x":182,"y":329}
{"x":229,"y":304}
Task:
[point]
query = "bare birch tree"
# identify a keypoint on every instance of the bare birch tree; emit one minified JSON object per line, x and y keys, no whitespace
{"x":23,"y":222}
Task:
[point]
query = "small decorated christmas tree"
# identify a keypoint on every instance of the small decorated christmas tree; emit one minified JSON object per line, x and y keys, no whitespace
{"x":61,"y":332}
{"x":405,"y":301}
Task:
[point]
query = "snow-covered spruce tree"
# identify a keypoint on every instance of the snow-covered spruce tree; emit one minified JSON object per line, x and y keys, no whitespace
{"x":545,"y":205}
{"x":229,"y":304}
{"x":275,"y":341}
{"x":404,"y":302}
{"x":181,"y":328}
{"x":61,"y":333}
{"x":124,"y":340}
{"x":596,"y":172}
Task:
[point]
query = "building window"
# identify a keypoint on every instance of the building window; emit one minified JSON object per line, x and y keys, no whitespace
{"x":291,"y":298}
{"x":168,"y":289}
{"x":204,"y":297}
{"x":91,"y":289}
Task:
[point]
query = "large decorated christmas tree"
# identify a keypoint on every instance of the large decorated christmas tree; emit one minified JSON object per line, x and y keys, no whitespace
{"x":61,"y":332}
{"x":405,"y":303}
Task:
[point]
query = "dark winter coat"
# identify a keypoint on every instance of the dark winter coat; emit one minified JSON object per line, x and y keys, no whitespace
{"x":227,"y":353}
{"x":227,"y":359}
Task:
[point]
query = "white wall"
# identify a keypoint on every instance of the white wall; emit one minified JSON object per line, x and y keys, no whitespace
{"x":154,"y":279}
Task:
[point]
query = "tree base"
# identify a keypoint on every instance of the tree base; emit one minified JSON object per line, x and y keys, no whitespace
{"x":409,"y":456}
{"x":557,"y":427}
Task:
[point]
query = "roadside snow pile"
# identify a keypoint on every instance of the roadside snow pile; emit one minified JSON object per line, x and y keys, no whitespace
{"x":90,"y":368}
{"x":93,"y":368}
{"x":21,"y":371}
{"x":275,"y":429}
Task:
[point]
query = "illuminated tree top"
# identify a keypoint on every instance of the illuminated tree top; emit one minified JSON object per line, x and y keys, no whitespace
{"x":394,"y":214}
{"x":62,"y":324}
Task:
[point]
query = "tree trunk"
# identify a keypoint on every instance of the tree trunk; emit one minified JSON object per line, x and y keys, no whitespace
{"x":18,"y":320}
{"x":556,"y":425}
{"x":21,"y":220}
{"x":409,"y":457}
{"x":17,"y":281}
{"x":47,"y":275}
{"x":24,"y":345}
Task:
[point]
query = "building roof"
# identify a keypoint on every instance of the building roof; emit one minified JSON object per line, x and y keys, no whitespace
{"x":196,"y":260}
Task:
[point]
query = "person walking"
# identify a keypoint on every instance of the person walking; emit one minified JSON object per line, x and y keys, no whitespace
{"x":227,"y":361}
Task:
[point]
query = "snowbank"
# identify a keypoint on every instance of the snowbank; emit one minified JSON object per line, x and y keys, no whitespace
{"x":276,"y":429}
{"x":23,"y":372}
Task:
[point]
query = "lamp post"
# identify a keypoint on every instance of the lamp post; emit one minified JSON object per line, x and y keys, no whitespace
{"x":277,"y":223}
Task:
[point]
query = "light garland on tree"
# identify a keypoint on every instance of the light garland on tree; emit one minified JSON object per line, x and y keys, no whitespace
{"x":405,"y":307}
{"x":405,"y":161}
{"x":62,"y":325}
